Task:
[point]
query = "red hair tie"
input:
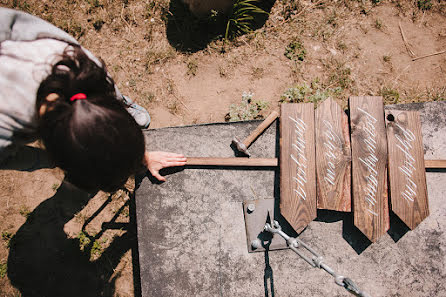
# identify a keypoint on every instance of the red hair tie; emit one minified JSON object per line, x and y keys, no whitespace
{"x":78,"y":96}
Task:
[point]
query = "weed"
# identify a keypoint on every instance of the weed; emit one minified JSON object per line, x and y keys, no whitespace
{"x":389,"y":95}
{"x":242,"y":18}
{"x":158,"y":56}
{"x":25,"y":211}
{"x":7,"y":237}
{"x":308,"y":93}
{"x":55,"y":186}
{"x":248,"y":109}
{"x":95,"y":3}
{"x":341,"y":46}
{"x":97,"y":248}
{"x":148,"y":97}
{"x":21,"y":5}
{"x":222,"y":71}
{"x":340,"y":75}
{"x":192,"y":67}
{"x":98,"y":24}
{"x":257,"y":72}
{"x":3,"y":269}
{"x":386,"y":58}
{"x":332,"y":19}
{"x":424,"y":4}
{"x":84,"y":240}
{"x":378,"y":24}
{"x":173,"y":107}
{"x":295,"y":51}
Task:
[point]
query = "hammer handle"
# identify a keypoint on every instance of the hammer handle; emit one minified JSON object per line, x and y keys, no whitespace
{"x":209,"y":161}
{"x":435,"y":163}
{"x":269,"y":162}
{"x":265,"y":124}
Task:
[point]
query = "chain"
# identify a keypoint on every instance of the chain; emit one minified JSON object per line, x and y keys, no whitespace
{"x":316,"y":260}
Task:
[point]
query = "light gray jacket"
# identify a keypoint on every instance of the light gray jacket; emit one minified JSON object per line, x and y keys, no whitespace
{"x":27,"y":44}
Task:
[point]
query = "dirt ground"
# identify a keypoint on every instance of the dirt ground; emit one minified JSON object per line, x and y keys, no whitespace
{"x":86,"y":246}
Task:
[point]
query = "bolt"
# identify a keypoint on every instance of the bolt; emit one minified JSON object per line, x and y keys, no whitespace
{"x":256,"y":243}
{"x":251,"y":207}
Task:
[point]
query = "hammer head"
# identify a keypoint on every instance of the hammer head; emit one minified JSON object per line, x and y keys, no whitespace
{"x":241,"y":147}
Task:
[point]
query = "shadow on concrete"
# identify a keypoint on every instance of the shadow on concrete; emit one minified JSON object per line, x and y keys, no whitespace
{"x":437,"y":170}
{"x":189,"y":33}
{"x":43,"y":261}
{"x":397,"y":227}
{"x":268,"y":280}
{"x":27,"y":158}
{"x":355,"y":238}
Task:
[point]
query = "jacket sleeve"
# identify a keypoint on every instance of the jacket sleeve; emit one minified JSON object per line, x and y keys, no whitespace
{"x":20,"y":26}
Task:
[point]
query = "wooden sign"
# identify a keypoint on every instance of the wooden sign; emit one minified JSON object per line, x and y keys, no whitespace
{"x":369,"y":158}
{"x":297,"y":164}
{"x":333,"y":155}
{"x":407,"y":174}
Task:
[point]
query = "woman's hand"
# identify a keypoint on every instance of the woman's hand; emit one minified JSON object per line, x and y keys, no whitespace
{"x":155,"y":161}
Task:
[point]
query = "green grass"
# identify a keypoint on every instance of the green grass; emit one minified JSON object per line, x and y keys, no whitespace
{"x":3,"y":269}
{"x":84,"y":240}
{"x":7,"y":238}
{"x":390,"y":96}
{"x":242,"y":18}
{"x":295,"y":50}
{"x":313,"y":93}
{"x":25,"y":211}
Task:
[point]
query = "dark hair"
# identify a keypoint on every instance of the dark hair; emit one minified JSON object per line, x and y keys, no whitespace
{"x":95,"y":140}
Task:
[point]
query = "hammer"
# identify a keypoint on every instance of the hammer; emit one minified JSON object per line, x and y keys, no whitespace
{"x":243,"y":146}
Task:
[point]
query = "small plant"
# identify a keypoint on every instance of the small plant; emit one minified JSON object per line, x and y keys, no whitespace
{"x":3,"y":269}
{"x":55,"y":186}
{"x":340,"y":75}
{"x":192,"y":67}
{"x":97,"y":249}
{"x":386,"y":58}
{"x":7,"y":237}
{"x":84,"y":240}
{"x":242,"y":18}
{"x":389,"y":95}
{"x":424,"y":4}
{"x":249,"y":109}
{"x":98,"y":24}
{"x":295,"y":51}
{"x":378,"y":24}
{"x":25,"y":211}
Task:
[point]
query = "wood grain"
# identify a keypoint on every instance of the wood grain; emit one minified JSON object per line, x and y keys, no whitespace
{"x":407,"y":175}
{"x":297,"y":164}
{"x":210,"y":161}
{"x":333,"y":157}
{"x":369,"y":158}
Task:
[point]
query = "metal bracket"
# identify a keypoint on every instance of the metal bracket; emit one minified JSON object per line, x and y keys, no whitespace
{"x":257,"y":213}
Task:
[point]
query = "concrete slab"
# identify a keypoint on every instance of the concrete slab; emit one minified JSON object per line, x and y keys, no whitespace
{"x":191,"y":230}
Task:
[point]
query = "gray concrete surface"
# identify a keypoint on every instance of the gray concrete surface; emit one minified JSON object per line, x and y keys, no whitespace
{"x":191,"y":230}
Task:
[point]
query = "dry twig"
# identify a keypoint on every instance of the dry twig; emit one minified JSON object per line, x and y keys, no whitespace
{"x":430,"y":55}
{"x":409,"y":50}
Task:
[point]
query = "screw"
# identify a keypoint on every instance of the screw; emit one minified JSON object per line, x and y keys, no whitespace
{"x":251,"y":207}
{"x":256,"y":243}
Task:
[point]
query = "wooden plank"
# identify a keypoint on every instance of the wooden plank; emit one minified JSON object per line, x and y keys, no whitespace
{"x":297,"y":164}
{"x":369,"y":158}
{"x":211,"y":161}
{"x":407,"y":175}
{"x":333,"y":157}
{"x":435,"y":163}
